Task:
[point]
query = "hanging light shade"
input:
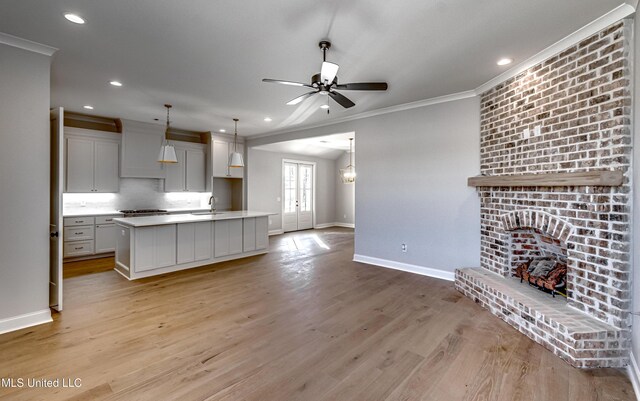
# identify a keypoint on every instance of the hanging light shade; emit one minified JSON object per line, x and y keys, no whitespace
{"x":167,"y":151}
{"x":235,"y":158}
{"x":348,"y":174}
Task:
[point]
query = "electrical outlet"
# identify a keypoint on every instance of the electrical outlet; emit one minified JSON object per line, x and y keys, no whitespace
{"x":344,"y":216}
{"x":270,"y":220}
{"x":526,"y":133}
{"x":403,"y":247}
{"x":83,"y":203}
{"x":278,"y":199}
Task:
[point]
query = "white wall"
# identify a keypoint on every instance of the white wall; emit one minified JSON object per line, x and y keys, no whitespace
{"x":24,"y":179}
{"x":412,"y":184}
{"x":345,"y":193}
{"x":264,"y":185}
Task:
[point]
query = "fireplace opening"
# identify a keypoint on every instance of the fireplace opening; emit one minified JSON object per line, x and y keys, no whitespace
{"x":539,"y":260}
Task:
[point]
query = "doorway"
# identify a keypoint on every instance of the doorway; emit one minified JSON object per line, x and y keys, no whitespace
{"x":298,"y":186}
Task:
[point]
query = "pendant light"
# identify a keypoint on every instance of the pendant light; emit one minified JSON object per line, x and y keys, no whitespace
{"x":235,"y":158}
{"x":167,"y":151}
{"x":348,"y":174}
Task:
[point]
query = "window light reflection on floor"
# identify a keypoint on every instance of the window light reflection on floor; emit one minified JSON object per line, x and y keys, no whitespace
{"x":320,"y":243}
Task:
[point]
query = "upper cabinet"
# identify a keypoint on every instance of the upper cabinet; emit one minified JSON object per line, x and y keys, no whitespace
{"x":188,"y":175}
{"x":92,"y":161}
{"x":221,"y":148}
{"x":140,"y":146}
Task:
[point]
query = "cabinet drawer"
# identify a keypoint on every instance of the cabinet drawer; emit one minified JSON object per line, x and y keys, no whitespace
{"x":106,"y":219}
{"x":78,"y":233}
{"x":78,"y":248}
{"x":78,"y":221}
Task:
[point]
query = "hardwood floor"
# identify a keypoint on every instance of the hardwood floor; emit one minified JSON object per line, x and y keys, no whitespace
{"x":84,"y":267}
{"x":303,"y":322}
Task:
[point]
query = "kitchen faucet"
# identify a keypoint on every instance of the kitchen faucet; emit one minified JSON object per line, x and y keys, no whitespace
{"x":212,"y":202}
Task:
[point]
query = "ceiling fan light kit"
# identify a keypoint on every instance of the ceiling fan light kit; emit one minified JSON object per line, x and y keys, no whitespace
{"x":326,"y":83}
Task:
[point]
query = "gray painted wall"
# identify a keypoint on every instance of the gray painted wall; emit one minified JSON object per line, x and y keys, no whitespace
{"x":24,"y":179}
{"x":264,"y":185}
{"x":345,"y":193}
{"x":412,"y":171}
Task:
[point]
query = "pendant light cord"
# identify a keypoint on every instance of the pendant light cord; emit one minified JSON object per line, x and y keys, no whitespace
{"x":235,"y":136}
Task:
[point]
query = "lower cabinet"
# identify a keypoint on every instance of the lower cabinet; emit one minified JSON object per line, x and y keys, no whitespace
{"x":227,"y":237}
{"x":194,"y":242}
{"x":155,"y":247}
{"x":105,"y":238}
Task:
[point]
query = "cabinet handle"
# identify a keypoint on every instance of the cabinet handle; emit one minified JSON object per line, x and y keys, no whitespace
{"x":79,"y":221}
{"x":78,"y":233}
{"x":79,"y":248}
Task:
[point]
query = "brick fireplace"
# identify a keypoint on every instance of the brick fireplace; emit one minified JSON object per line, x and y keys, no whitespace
{"x":580,"y":100}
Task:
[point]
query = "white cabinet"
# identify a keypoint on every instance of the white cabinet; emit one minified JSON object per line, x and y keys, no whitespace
{"x":262,"y":233}
{"x":194,"y":242}
{"x":255,"y":234}
{"x":105,"y":238}
{"x":155,"y":247}
{"x":140,"y":147}
{"x":228,"y":237}
{"x":195,"y":166}
{"x":220,"y":158}
{"x":249,"y":234}
{"x":188,"y":175}
{"x":92,"y":161}
{"x":89,"y":235}
{"x":222,"y":148}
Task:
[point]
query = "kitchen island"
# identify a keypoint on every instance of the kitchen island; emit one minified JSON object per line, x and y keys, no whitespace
{"x":152,"y":245}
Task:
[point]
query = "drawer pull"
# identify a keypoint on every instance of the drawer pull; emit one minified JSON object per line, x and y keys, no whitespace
{"x":79,"y":248}
{"x":80,"y":233}
{"x":79,"y":221}
{"x":108,"y":220}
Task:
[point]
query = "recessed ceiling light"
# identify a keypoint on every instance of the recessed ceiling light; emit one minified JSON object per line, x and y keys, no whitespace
{"x":324,"y":106}
{"x":116,"y":83}
{"x":268,"y":119}
{"x":88,"y":107}
{"x":75,"y":18}
{"x":504,"y":61}
{"x":223,"y":130}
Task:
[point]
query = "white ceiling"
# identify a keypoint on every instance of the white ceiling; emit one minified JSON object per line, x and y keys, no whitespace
{"x":326,"y":147}
{"x":207,"y":57}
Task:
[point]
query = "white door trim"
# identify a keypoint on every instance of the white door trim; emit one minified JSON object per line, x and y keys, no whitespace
{"x":313,"y":223}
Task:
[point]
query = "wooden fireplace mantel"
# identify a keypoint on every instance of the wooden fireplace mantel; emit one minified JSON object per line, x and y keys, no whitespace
{"x":585,"y":178}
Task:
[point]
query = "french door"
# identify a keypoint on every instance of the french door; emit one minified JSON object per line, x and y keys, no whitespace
{"x":298,"y":205}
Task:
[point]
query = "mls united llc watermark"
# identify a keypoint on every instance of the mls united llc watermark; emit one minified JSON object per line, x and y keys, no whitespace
{"x":32,"y":382}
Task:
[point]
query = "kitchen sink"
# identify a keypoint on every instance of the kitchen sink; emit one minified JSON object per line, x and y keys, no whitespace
{"x":206,"y":213}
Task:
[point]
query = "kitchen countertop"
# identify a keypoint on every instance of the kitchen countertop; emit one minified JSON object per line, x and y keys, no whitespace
{"x":186,"y":218}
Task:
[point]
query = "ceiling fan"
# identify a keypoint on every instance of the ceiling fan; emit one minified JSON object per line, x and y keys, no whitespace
{"x":326,"y":82}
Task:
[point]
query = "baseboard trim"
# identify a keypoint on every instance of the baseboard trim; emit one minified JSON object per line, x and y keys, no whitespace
{"x":27,"y":320}
{"x":390,"y":264}
{"x":345,"y":225}
{"x":634,"y":375}
{"x":276,"y":232}
{"x":334,"y":224}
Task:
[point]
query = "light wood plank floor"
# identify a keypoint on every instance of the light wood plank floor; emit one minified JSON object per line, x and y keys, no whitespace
{"x":301,"y":323}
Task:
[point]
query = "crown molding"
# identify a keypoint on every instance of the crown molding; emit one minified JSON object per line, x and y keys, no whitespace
{"x":25,"y":44}
{"x":613,"y":16}
{"x":372,"y":113}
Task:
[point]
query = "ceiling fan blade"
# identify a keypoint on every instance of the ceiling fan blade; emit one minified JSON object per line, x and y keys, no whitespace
{"x":341,"y":99}
{"x":328,"y":72}
{"x":364,"y":86}
{"x":299,"y":99}
{"x":279,"y":81}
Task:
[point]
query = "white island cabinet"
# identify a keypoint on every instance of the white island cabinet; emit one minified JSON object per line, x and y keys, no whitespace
{"x":147,"y":246}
